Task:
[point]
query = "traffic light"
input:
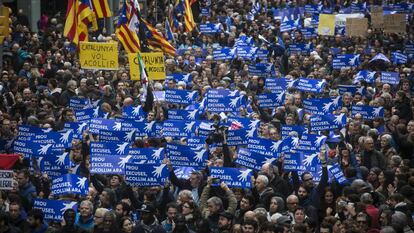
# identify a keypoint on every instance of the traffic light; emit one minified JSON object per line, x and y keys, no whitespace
{"x":4,"y":22}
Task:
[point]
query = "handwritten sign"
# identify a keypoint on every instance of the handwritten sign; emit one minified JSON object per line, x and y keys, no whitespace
{"x":377,"y":17}
{"x":356,"y":26}
{"x":394,"y":23}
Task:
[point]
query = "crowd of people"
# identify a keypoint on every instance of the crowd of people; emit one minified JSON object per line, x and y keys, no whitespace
{"x":41,"y":73}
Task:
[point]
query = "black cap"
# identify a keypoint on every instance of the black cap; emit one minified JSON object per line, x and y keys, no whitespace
{"x":227,"y":215}
{"x":147,"y":208}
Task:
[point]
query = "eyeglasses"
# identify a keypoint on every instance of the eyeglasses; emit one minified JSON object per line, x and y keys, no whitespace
{"x":310,"y":179}
{"x":186,"y":206}
{"x":292,"y":203}
{"x":98,"y":216}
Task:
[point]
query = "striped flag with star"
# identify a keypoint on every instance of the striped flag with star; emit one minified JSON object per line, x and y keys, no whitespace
{"x":128,"y":38}
{"x":101,"y":8}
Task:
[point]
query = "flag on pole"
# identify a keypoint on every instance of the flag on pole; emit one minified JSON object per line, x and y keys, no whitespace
{"x":128,"y":38}
{"x":168,"y":31}
{"x":79,"y":16}
{"x":188,"y":17}
{"x":71,"y":25}
{"x":156,"y":39}
{"x":144,"y":77}
{"x":101,"y":8}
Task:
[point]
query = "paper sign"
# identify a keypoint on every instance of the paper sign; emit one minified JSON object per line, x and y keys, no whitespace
{"x":394,"y":23}
{"x":154,"y":64}
{"x":94,"y":55}
{"x":377,"y":17}
{"x":326,"y":25}
{"x":6,"y":180}
{"x":356,"y":27}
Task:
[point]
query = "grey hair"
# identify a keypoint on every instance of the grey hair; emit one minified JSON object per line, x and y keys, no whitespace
{"x":388,"y":137}
{"x":366,"y":198}
{"x":186,"y":193}
{"x":263,"y":178}
{"x":71,"y":83}
{"x":215,"y":201}
{"x":101,"y":211}
{"x":88,"y":203}
{"x":399,"y":220}
{"x":387,"y":229}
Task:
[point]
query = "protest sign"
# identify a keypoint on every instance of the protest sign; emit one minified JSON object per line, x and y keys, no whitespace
{"x":327,"y":122}
{"x":134,"y":112}
{"x":177,"y":96}
{"x":336,"y":171}
{"x":292,"y":162}
{"x":399,"y":58}
{"x":356,"y":27}
{"x":95,"y":55}
{"x":53,"y":210}
{"x":183,"y":115}
{"x":54,"y":165}
{"x":367,"y":112}
{"x":154,"y":64}
{"x":210,"y":28}
{"x":182,"y":155}
{"x":146,"y":155}
{"x":6,"y":180}
{"x":377,"y":17}
{"x":394,"y":23}
{"x":219,"y":100}
{"x":392,"y":78}
{"x":146,"y":174}
{"x":292,"y":129}
{"x":70,"y":184}
{"x":77,"y":103}
{"x":233,"y":177}
{"x":252,"y":159}
{"x":326,"y":25}
{"x":310,"y":143}
{"x":345,"y":60}
{"x":171,"y":128}
{"x":311,"y":85}
{"x":224,"y":53}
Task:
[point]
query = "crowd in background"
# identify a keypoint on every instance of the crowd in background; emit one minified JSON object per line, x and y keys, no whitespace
{"x":41,"y":73}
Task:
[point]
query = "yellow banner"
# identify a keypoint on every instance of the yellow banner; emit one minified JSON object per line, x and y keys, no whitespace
{"x":326,"y":25}
{"x":154,"y":64}
{"x":95,"y":55}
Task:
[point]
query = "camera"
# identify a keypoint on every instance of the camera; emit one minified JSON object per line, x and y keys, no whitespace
{"x":217,"y":135}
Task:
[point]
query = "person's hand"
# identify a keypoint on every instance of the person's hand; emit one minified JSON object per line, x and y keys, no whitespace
{"x":390,"y":189}
{"x":350,"y":207}
{"x":329,"y":211}
{"x":209,"y":180}
{"x":224,"y":186}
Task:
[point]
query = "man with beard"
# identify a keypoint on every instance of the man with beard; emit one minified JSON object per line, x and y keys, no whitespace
{"x":149,"y":222}
{"x":225,"y":222}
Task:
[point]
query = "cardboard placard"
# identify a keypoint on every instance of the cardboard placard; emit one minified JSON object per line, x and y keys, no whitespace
{"x":377,"y":17}
{"x":356,"y":27}
{"x":394,"y":23}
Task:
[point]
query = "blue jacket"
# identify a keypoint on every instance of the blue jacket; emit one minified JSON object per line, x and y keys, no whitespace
{"x":28,"y":191}
{"x":88,"y":225}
